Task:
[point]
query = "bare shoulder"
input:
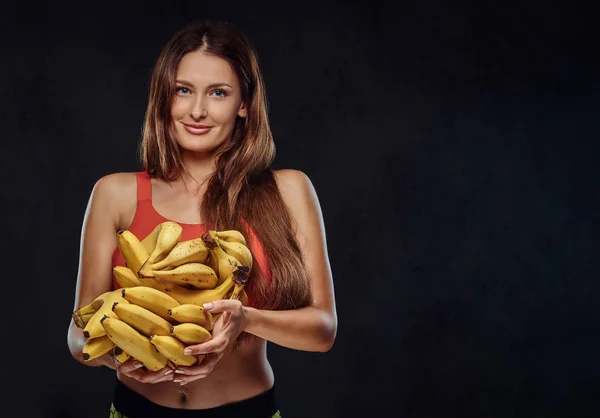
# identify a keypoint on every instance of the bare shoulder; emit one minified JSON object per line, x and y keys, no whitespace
{"x":116,"y":186}
{"x":294,"y":185}
{"x":116,"y":193}
{"x":299,"y":195}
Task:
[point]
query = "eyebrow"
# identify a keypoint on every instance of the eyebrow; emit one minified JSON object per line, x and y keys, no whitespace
{"x":219,"y":84}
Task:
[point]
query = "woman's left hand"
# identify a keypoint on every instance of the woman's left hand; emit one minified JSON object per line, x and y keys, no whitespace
{"x":226,"y":329}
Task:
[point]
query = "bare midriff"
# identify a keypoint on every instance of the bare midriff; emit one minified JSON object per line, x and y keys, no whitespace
{"x":239,"y":375}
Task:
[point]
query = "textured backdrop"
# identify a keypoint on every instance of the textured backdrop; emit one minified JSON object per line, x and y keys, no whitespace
{"x":454,"y":150}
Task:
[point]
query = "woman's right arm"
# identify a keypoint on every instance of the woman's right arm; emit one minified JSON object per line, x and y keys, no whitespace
{"x":97,"y":244}
{"x":111,"y":207}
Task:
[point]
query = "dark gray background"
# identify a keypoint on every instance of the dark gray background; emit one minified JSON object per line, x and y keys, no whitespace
{"x":453,"y":148}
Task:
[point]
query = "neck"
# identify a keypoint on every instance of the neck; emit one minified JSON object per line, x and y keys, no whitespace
{"x":199,"y":168}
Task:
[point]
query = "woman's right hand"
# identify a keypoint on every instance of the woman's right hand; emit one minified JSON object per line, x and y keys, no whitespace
{"x":136,"y":370}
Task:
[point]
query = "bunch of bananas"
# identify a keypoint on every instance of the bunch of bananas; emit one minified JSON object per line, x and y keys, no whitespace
{"x":158,"y":309}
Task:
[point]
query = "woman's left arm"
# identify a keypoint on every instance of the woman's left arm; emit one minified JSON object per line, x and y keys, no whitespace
{"x":314,"y":327}
{"x":311,"y":328}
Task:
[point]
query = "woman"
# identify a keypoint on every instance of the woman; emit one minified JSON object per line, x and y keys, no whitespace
{"x":206,"y":153}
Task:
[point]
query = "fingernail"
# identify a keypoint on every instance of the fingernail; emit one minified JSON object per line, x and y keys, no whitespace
{"x":168,"y":372}
{"x":138,"y":365}
{"x":179,"y":371}
{"x":208,"y":305}
{"x":176,"y":380}
{"x":187,"y":351}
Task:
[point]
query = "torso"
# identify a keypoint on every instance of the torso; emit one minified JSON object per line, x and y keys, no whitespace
{"x":239,"y":375}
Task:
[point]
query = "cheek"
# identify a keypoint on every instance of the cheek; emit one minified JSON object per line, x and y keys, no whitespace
{"x":178,"y":110}
{"x":225,"y":115}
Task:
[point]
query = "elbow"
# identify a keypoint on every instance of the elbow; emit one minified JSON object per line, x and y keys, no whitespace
{"x":328,"y":334}
{"x":72,"y":345}
{"x":75,"y":344}
{"x":326,"y":345}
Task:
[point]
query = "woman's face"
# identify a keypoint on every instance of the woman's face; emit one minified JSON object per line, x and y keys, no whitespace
{"x":207,"y":101}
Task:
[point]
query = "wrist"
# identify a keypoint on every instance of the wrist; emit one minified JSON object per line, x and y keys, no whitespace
{"x":251,"y":315}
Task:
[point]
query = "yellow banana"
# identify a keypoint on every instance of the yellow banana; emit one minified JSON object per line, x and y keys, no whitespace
{"x":104,"y":302}
{"x":81,"y":320}
{"x":190,"y":251}
{"x":135,"y":344}
{"x":162,"y":285}
{"x":85,"y":318}
{"x":148,"y":282}
{"x":89,"y":308}
{"x":224,"y":263}
{"x":149,"y":242}
{"x":168,"y":236}
{"x":143,"y":320}
{"x":200,"y":297}
{"x":189,"y":333}
{"x":172,"y":348}
{"x":213,"y":263}
{"x":193,"y":314}
{"x":132,"y":250}
{"x":240,"y":283}
{"x":237,"y":250}
{"x":93,"y":329}
{"x":244,"y":297}
{"x":126,"y":277}
{"x":120,"y":354}
{"x":231,"y":235}
{"x":155,"y":283}
{"x":150,"y":298}
{"x":96,"y":347}
{"x":196,"y":274}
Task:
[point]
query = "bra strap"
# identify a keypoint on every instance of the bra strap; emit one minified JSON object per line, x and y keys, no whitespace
{"x":144,"y":186}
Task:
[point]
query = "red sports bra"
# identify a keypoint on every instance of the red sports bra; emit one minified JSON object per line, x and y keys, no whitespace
{"x":146,"y":218}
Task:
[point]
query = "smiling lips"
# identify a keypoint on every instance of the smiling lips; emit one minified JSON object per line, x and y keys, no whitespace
{"x":197,"y":129}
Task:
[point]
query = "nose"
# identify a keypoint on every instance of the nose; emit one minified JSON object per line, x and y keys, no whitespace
{"x":198,"y":110}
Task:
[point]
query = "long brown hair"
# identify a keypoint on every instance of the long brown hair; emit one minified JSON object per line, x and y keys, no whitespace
{"x":242,"y":187}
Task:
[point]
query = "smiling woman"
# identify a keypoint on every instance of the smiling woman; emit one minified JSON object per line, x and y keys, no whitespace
{"x":198,"y":97}
{"x":206,"y":151}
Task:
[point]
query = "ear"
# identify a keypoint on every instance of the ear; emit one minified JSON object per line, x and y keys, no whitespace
{"x":243,"y":112}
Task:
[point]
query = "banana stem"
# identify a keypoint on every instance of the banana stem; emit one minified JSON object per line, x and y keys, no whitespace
{"x":209,"y":241}
{"x":78,"y":320}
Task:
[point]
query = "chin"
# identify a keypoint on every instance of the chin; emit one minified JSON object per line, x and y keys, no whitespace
{"x":199,"y":149}
{"x":195,"y":144}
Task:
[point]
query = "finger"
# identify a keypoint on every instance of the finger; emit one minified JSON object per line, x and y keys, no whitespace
{"x":163,"y":376}
{"x":223,"y":305}
{"x":146,"y":376}
{"x":129,"y":366}
{"x":216,"y":345}
{"x":197,"y":372}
